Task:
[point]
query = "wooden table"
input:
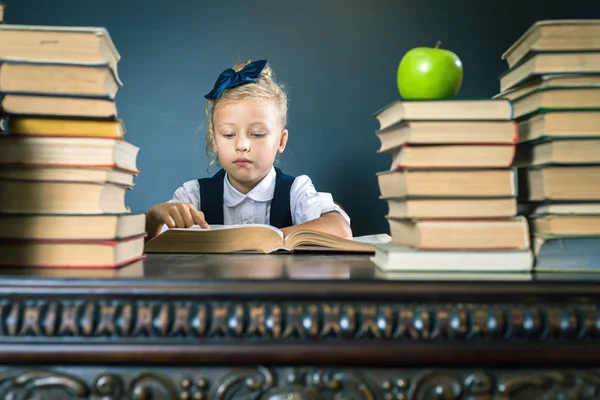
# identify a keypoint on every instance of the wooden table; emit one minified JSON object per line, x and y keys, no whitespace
{"x":297,"y":326}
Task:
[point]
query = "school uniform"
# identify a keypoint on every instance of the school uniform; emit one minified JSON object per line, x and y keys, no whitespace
{"x":279,"y":200}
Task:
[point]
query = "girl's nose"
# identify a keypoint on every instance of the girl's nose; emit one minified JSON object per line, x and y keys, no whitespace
{"x":242,"y":144}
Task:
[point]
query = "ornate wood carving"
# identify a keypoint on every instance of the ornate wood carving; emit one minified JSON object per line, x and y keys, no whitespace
{"x":23,"y":385}
{"x":299,"y":384}
{"x":177,"y":320}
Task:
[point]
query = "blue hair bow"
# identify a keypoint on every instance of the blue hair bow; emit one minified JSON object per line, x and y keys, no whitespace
{"x":229,"y":78}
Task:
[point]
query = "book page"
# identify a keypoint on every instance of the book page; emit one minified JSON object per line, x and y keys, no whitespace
{"x":218,"y":238}
{"x":309,"y":240}
{"x":373,"y":239}
{"x":216,"y":227}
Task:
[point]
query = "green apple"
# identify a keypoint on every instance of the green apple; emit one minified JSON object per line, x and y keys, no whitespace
{"x":426,"y":73}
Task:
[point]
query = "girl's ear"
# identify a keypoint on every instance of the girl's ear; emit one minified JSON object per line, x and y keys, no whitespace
{"x":282,"y":141}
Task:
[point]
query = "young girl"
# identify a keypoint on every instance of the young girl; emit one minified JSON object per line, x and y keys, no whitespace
{"x":247,"y":115}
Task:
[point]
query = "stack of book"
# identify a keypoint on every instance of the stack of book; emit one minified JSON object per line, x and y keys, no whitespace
{"x":64,"y":165}
{"x":553,"y":80}
{"x":451,"y":188}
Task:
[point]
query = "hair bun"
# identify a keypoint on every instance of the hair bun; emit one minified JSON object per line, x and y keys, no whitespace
{"x":267,"y":72}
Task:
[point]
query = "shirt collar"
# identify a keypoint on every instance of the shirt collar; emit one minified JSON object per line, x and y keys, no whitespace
{"x":264,"y":191}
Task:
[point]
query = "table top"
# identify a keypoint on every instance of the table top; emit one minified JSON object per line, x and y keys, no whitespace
{"x":317,"y":273}
{"x":302,"y":266}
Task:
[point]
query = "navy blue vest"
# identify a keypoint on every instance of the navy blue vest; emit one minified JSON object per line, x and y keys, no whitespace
{"x":211,"y":199}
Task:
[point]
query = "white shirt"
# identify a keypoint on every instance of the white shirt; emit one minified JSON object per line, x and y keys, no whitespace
{"x":254,"y":207}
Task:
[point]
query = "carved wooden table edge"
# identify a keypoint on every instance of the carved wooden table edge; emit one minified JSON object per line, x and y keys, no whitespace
{"x":144,"y":323}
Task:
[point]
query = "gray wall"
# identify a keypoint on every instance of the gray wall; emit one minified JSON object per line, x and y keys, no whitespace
{"x":338,"y":58}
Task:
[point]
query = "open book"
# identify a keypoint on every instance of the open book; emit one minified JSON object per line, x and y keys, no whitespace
{"x":255,"y":238}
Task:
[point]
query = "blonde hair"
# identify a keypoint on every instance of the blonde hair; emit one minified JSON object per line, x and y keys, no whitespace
{"x":265,"y":89}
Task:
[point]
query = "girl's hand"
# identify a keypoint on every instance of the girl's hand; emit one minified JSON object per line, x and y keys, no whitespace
{"x":177,"y":215}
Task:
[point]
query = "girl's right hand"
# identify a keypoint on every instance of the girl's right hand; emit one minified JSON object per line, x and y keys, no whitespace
{"x":177,"y":215}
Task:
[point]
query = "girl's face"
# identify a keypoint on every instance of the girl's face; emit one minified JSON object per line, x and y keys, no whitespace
{"x":247,"y":138}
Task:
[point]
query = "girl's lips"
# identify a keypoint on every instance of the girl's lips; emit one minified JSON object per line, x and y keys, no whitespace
{"x":242,"y":162}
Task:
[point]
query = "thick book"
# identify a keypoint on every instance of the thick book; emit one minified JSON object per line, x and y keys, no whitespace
{"x":567,"y":254}
{"x":560,"y":124}
{"x":68,"y":151}
{"x":560,"y":35}
{"x":465,"y":208}
{"x":447,"y":132}
{"x":453,"y":156}
{"x":559,"y":183}
{"x":550,"y":81}
{"x":58,"y":79}
{"x":559,"y":151}
{"x":448,"y":183}
{"x":56,"y":173}
{"x":537,"y":64}
{"x":255,"y":238}
{"x":561,"y":99}
{"x":445,"y":110}
{"x":552,"y":220}
{"x":61,"y":197}
{"x":462,"y":234}
{"x":393,"y":257}
{"x":72,"y":226}
{"x":59,"y":106}
{"x":66,"y":127}
{"x":563,"y":225}
{"x":71,"y":253}
{"x":58,"y":44}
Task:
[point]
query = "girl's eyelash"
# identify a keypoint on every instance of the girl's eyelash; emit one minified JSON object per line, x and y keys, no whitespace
{"x":255,"y":134}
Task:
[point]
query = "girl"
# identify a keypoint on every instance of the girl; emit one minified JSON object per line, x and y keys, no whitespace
{"x":247,"y":114}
